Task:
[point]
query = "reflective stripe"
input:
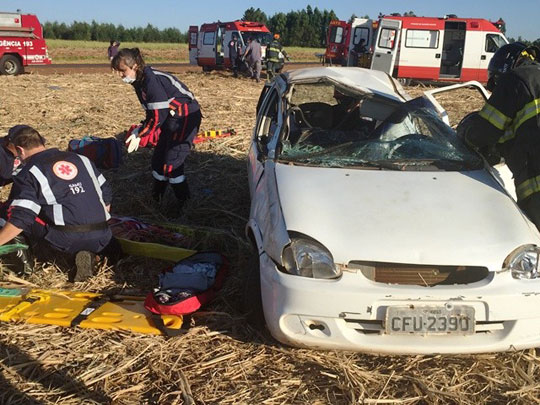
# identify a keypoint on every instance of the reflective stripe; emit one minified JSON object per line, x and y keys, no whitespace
{"x":528,"y":187}
{"x":495,"y":117}
{"x":101,"y":179}
{"x":508,"y":135}
{"x":97,"y":186}
{"x":175,"y":83}
{"x":58,"y":215}
{"x":158,"y":105}
{"x":28,"y":204}
{"x":158,"y":176}
{"x":530,"y":110}
{"x":177,"y":180}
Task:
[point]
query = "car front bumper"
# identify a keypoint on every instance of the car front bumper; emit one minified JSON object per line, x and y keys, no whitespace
{"x":349,"y":313}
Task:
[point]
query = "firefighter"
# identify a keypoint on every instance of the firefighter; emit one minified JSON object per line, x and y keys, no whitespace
{"x":275,"y":58}
{"x":235,"y":50}
{"x":509,"y":122}
{"x":170,"y":107}
{"x":58,"y":200}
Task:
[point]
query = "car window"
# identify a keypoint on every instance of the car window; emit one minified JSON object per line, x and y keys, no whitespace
{"x":330,"y":126}
{"x":268,"y":117}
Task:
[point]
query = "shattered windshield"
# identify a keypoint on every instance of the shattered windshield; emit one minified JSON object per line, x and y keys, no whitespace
{"x":333,"y":127}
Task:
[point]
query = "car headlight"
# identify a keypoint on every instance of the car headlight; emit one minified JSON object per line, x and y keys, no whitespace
{"x":523,"y":262}
{"x":307,"y":258}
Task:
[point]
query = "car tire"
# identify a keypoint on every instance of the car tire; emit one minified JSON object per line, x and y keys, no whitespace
{"x":10,"y":65}
{"x":251,"y":297}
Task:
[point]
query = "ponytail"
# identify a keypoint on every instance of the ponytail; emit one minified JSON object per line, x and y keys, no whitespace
{"x":129,"y":57}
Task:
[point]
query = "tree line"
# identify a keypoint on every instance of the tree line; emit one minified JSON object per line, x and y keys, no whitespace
{"x":105,"y":32}
{"x":305,"y":27}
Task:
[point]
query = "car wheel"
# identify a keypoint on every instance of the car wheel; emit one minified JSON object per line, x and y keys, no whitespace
{"x":10,"y":65}
{"x":251,"y":299}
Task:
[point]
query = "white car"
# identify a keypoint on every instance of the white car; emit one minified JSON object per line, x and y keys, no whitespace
{"x":377,"y":229}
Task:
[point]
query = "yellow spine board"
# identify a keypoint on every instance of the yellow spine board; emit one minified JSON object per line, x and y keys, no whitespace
{"x":56,"y":307}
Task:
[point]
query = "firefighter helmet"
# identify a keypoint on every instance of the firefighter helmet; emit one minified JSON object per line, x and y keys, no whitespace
{"x":276,"y":36}
{"x":507,"y":58}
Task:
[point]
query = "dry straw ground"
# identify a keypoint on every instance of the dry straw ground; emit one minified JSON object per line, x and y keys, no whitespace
{"x":220,"y":360}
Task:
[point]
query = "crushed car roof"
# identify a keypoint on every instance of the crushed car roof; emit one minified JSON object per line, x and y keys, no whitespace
{"x":363,"y":80}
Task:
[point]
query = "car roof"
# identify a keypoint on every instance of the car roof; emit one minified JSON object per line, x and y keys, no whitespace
{"x":363,"y":80}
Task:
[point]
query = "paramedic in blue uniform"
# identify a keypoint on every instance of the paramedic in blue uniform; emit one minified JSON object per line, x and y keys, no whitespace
{"x":58,"y":198}
{"x":171,"y":107}
{"x":235,"y":50}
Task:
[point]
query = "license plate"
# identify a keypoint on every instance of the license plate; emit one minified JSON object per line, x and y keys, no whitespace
{"x":430,"y":320}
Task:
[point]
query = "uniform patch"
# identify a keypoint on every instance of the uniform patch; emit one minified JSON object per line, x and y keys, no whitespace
{"x":65,"y":170}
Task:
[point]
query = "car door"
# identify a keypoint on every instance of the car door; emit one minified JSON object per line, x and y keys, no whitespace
{"x":265,"y":214}
{"x":384,"y":56}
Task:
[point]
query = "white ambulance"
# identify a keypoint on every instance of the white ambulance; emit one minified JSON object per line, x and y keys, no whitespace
{"x":426,"y":48}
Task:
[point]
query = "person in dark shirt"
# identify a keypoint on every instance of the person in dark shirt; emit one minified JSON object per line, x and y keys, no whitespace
{"x":112,"y":50}
{"x":235,"y":50}
{"x":58,"y":198}
{"x":170,"y":107}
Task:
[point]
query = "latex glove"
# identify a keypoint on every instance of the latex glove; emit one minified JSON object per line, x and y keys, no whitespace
{"x":132,"y":142}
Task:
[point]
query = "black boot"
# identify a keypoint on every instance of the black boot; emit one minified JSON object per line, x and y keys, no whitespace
{"x":181,"y":192}
{"x":158,"y":190}
{"x":26,"y":267}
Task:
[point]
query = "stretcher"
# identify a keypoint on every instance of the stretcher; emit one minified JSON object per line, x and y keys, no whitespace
{"x":85,"y":310}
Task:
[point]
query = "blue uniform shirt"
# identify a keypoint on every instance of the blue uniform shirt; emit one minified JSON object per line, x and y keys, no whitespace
{"x":62,"y":189}
{"x":159,"y":94}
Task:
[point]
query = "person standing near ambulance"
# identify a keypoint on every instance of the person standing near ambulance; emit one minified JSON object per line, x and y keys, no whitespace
{"x":170,"y":107}
{"x":58,"y":198}
{"x":253,"y":58}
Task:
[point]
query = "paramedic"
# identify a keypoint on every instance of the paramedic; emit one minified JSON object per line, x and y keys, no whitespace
{"x":510,"y":120}
{"x":275,"y":58}
{"x":253,"y":57}
{"x":235,"y":50}
{"x":171,"y":108}
{"x":58,"y":199}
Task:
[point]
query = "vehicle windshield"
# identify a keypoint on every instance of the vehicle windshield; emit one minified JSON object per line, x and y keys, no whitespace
{"x":264,"y":38}
{"x":329,"y":126}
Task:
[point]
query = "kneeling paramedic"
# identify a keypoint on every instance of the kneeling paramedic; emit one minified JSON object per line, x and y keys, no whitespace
{"x":510,"y":120}
{"x":58,"y":199}
{"x":170,"y":107}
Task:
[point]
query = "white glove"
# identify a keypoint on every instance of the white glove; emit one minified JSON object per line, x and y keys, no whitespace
{"x":133,"y":141}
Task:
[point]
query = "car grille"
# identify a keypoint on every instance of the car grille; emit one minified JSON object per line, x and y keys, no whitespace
{"x":421,"y":275}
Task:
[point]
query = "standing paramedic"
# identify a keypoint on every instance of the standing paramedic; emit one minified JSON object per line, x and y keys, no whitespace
{"x":171,"y":107}
{"x":58,"y":200}
{"x":253,"y":58}
{"x":510,"y":120}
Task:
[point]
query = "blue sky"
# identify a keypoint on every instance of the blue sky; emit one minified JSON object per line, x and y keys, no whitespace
{"x":521,"y":16}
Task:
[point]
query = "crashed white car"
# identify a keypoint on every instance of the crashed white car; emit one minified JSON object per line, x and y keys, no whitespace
{"x":376,"y":229}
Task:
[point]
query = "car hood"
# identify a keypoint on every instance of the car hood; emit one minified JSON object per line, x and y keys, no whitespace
{"x":438,"y":217}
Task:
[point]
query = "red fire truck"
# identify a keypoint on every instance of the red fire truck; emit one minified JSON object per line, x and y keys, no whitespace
{"x":208,"y":46}
{"x":419,"y":48}
{"x":21,"y":43}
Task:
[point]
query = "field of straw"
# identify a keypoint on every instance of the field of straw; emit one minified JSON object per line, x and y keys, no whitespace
{"x":63,"y":51}
{"x":220,"y":359}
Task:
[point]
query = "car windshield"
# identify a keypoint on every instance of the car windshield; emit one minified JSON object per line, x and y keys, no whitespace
{"x":330,"y":126}
{"x":264,"y":38}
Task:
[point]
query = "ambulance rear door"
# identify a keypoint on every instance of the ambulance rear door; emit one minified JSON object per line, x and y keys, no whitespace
{"x":193,"y":35}
{"x":361,"y":28}
{"x":384,"y":55}
{"x":207,"y":44}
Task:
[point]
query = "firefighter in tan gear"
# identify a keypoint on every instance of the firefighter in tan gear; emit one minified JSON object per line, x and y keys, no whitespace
{"x":275,"y":58}
{"x":509,"y":122}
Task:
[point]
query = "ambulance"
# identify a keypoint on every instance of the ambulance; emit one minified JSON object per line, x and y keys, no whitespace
{"x":420,"y":48}
{"x":208,"y":46}
{"x":21,"y":43}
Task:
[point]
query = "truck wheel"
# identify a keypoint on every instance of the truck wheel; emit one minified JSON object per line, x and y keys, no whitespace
{"x":10,"y":65}
{"x":404,"y":81}
{"x":206,"y":69}
{"x":251,"y":297}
